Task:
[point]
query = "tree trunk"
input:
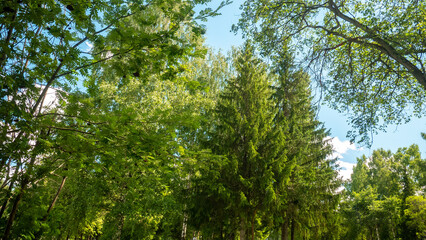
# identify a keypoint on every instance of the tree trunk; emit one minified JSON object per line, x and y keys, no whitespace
{"x":284,"y":230}
{"x":40,"y":232}
{"x":242,"y":230}
{"x":184,"y":226}
{"x":252,"y":224}
{"x":4,"y":205}
{"x":120,"y":226}
{"x":292,"y":229}
{"x":55,"y":198}
{"x":9,"y":193}
{"x":24,"y":184}
{"x":8,"y":38}
{"x":6,"y":200}
{"x":377,"y":233}
{"x":393,"y":230}
{"x":12,"y":215}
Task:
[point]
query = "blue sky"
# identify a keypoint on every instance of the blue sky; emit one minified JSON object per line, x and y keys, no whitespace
{"x":219,"y":36}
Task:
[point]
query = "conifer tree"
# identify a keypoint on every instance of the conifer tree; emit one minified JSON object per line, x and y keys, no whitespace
{"x":308,"y":197}
{"x":242,"y":134}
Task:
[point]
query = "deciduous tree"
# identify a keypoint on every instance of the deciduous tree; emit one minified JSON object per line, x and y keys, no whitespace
{"x":368,"y":56}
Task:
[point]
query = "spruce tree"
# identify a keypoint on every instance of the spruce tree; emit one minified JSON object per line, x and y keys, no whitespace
{"x":243,"y":133}
{"x":308,"y":197}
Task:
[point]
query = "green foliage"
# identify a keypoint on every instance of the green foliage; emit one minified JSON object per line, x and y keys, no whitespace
{"x":416,"y":213}
{"x":169,"y":140}
{"x":382,"y":189}
{"x":117,"y":144}
{"x":273,"y":167}
{"x":242,"y":133}
{"x":372,"y":53}
{"x":307,"y":183}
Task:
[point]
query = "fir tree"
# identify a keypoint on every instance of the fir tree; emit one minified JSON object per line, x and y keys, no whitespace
{"x":243,"y":134}
{"x":309,"y":180}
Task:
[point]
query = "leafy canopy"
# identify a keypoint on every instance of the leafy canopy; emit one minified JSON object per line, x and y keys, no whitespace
{"x":368,"y":56}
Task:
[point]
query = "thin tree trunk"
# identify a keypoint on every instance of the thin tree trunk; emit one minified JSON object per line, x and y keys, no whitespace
{"x":40,"y":232}
{"x":7,"y":175}
{"x":9,"y":193}
{"x":55,"y":198}
{"x":284,"y":230}
{"x":12,"y":214}
{"x":4,"y":205}
{"x":6,"y":200}
{"x":393,"y":231}
{"x":184,"y":226}
{"x":377,"y":233}
{"x":120,"y":226}
{"x":292,"y":229}
{"x":242,"y":230}
{"x":252,"y":224}
{"x":8,"y":38}
{"x":24,"y":185}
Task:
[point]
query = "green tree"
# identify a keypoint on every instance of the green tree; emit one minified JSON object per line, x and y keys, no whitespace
{"x":377,"y":195}
{"x":359,"y":178}
{"x":42,"y":48}
{"x":416,"y":214}
{"x":127,"y":174}
{"x":307,"y":184}
{"x":407,"y":157}
{"x":243,"y":134}
{"x":373,"y":53}
{"x":206,"y":198}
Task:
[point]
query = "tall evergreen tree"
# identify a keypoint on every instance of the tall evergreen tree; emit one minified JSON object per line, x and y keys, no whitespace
{"x":309,"y":194}
{"x":243,"y":134}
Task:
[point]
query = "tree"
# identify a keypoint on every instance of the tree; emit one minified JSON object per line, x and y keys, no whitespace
{"x":373,"y":53}
{"x":206,"y":199}
{"x":380,"y":194}
{"x":307,"y":185}
{"x":378,"y":176}
{"x":416,"y":213}
{"x":242,"y":132}
{"x":408,"y":158}
{"x":42,"y":47}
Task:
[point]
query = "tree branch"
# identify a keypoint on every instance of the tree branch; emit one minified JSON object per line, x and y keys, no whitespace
{"x":382,"y":45}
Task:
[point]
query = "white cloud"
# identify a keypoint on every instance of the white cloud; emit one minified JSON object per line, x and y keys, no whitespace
{"x":341,"y":147}
{"x":346,"y":169}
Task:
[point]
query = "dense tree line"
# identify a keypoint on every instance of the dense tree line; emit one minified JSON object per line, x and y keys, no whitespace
{"x":385,"y":198}
{"x":146,"y":134}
